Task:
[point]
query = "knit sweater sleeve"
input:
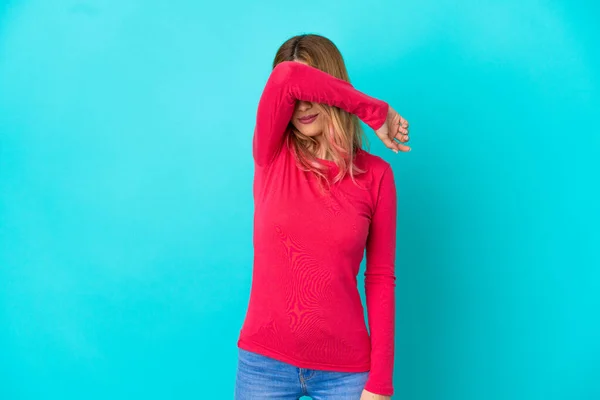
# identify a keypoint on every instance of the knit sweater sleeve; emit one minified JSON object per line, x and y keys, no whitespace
{"x":290,"y":81}
{"x":380,"y":284}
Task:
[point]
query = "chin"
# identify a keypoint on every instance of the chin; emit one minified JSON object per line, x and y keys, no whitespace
{"x":310,"y":132}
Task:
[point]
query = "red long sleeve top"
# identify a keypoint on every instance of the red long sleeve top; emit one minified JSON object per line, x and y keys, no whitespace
{"x":304,"y":306}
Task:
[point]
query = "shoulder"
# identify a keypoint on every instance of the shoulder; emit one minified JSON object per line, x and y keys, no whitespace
{"x":380,"y":178}
{"x":375,"y":164}
{"x":379,"y":173}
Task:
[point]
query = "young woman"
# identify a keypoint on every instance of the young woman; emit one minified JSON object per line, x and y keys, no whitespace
{"x":320,"y":201}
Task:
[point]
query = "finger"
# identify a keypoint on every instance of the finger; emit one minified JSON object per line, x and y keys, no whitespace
{"x":403,"y":128}
{"x":404,"y":131}
{"x":403,"y":147}
{"x":390,"y":144}
{"x":399,"y":143}
{"x":403,"y":122}
{"x":401,"y":137}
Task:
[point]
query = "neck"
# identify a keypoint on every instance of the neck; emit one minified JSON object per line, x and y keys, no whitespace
{"x":322,"y":155}
{"x":320,"y":151}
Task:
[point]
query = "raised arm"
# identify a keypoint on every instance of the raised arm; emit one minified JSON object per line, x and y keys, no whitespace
{"x":290,"y":81}
{"x":380,"y":285}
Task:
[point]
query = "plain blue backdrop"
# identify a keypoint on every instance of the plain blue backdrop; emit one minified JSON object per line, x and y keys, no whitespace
{"x":126,"y":191}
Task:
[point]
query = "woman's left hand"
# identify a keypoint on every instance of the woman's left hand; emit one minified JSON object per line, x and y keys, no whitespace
{"x":394,"y":132}
{"x":366,"y":395}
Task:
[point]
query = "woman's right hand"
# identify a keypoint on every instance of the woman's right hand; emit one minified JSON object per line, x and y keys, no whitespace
{"x":394,"y":132}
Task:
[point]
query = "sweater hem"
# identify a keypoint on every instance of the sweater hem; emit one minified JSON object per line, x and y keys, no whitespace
{"x":249,"y":345}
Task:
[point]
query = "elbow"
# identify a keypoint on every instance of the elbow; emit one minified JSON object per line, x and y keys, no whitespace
{"x":283,"y":71}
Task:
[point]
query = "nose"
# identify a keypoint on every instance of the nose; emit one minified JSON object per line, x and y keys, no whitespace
{"x":303,"y":105}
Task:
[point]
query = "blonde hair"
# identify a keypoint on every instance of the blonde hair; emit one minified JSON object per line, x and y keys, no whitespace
{"x":344,"y":134}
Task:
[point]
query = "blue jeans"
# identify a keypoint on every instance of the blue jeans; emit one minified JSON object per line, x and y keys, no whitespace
{"x":260,"y":377}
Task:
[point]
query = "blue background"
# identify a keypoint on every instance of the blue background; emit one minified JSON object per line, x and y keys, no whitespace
{"x":126,"y":204}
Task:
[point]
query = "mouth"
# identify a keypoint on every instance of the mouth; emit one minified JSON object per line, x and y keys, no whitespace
{"x":308,"y":119}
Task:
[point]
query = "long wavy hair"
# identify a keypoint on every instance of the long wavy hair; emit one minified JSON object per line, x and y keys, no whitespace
{"x":344,"y":134}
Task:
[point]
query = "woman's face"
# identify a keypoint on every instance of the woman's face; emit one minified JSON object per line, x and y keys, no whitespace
{"x":309,"y":118}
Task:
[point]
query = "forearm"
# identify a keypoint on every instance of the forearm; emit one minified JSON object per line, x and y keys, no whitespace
{"x":291,"y":81}
{"x":311,"y":84}
{"x":380,"y":299}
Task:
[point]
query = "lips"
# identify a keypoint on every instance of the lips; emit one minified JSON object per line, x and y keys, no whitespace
{"x":308,"y":119}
